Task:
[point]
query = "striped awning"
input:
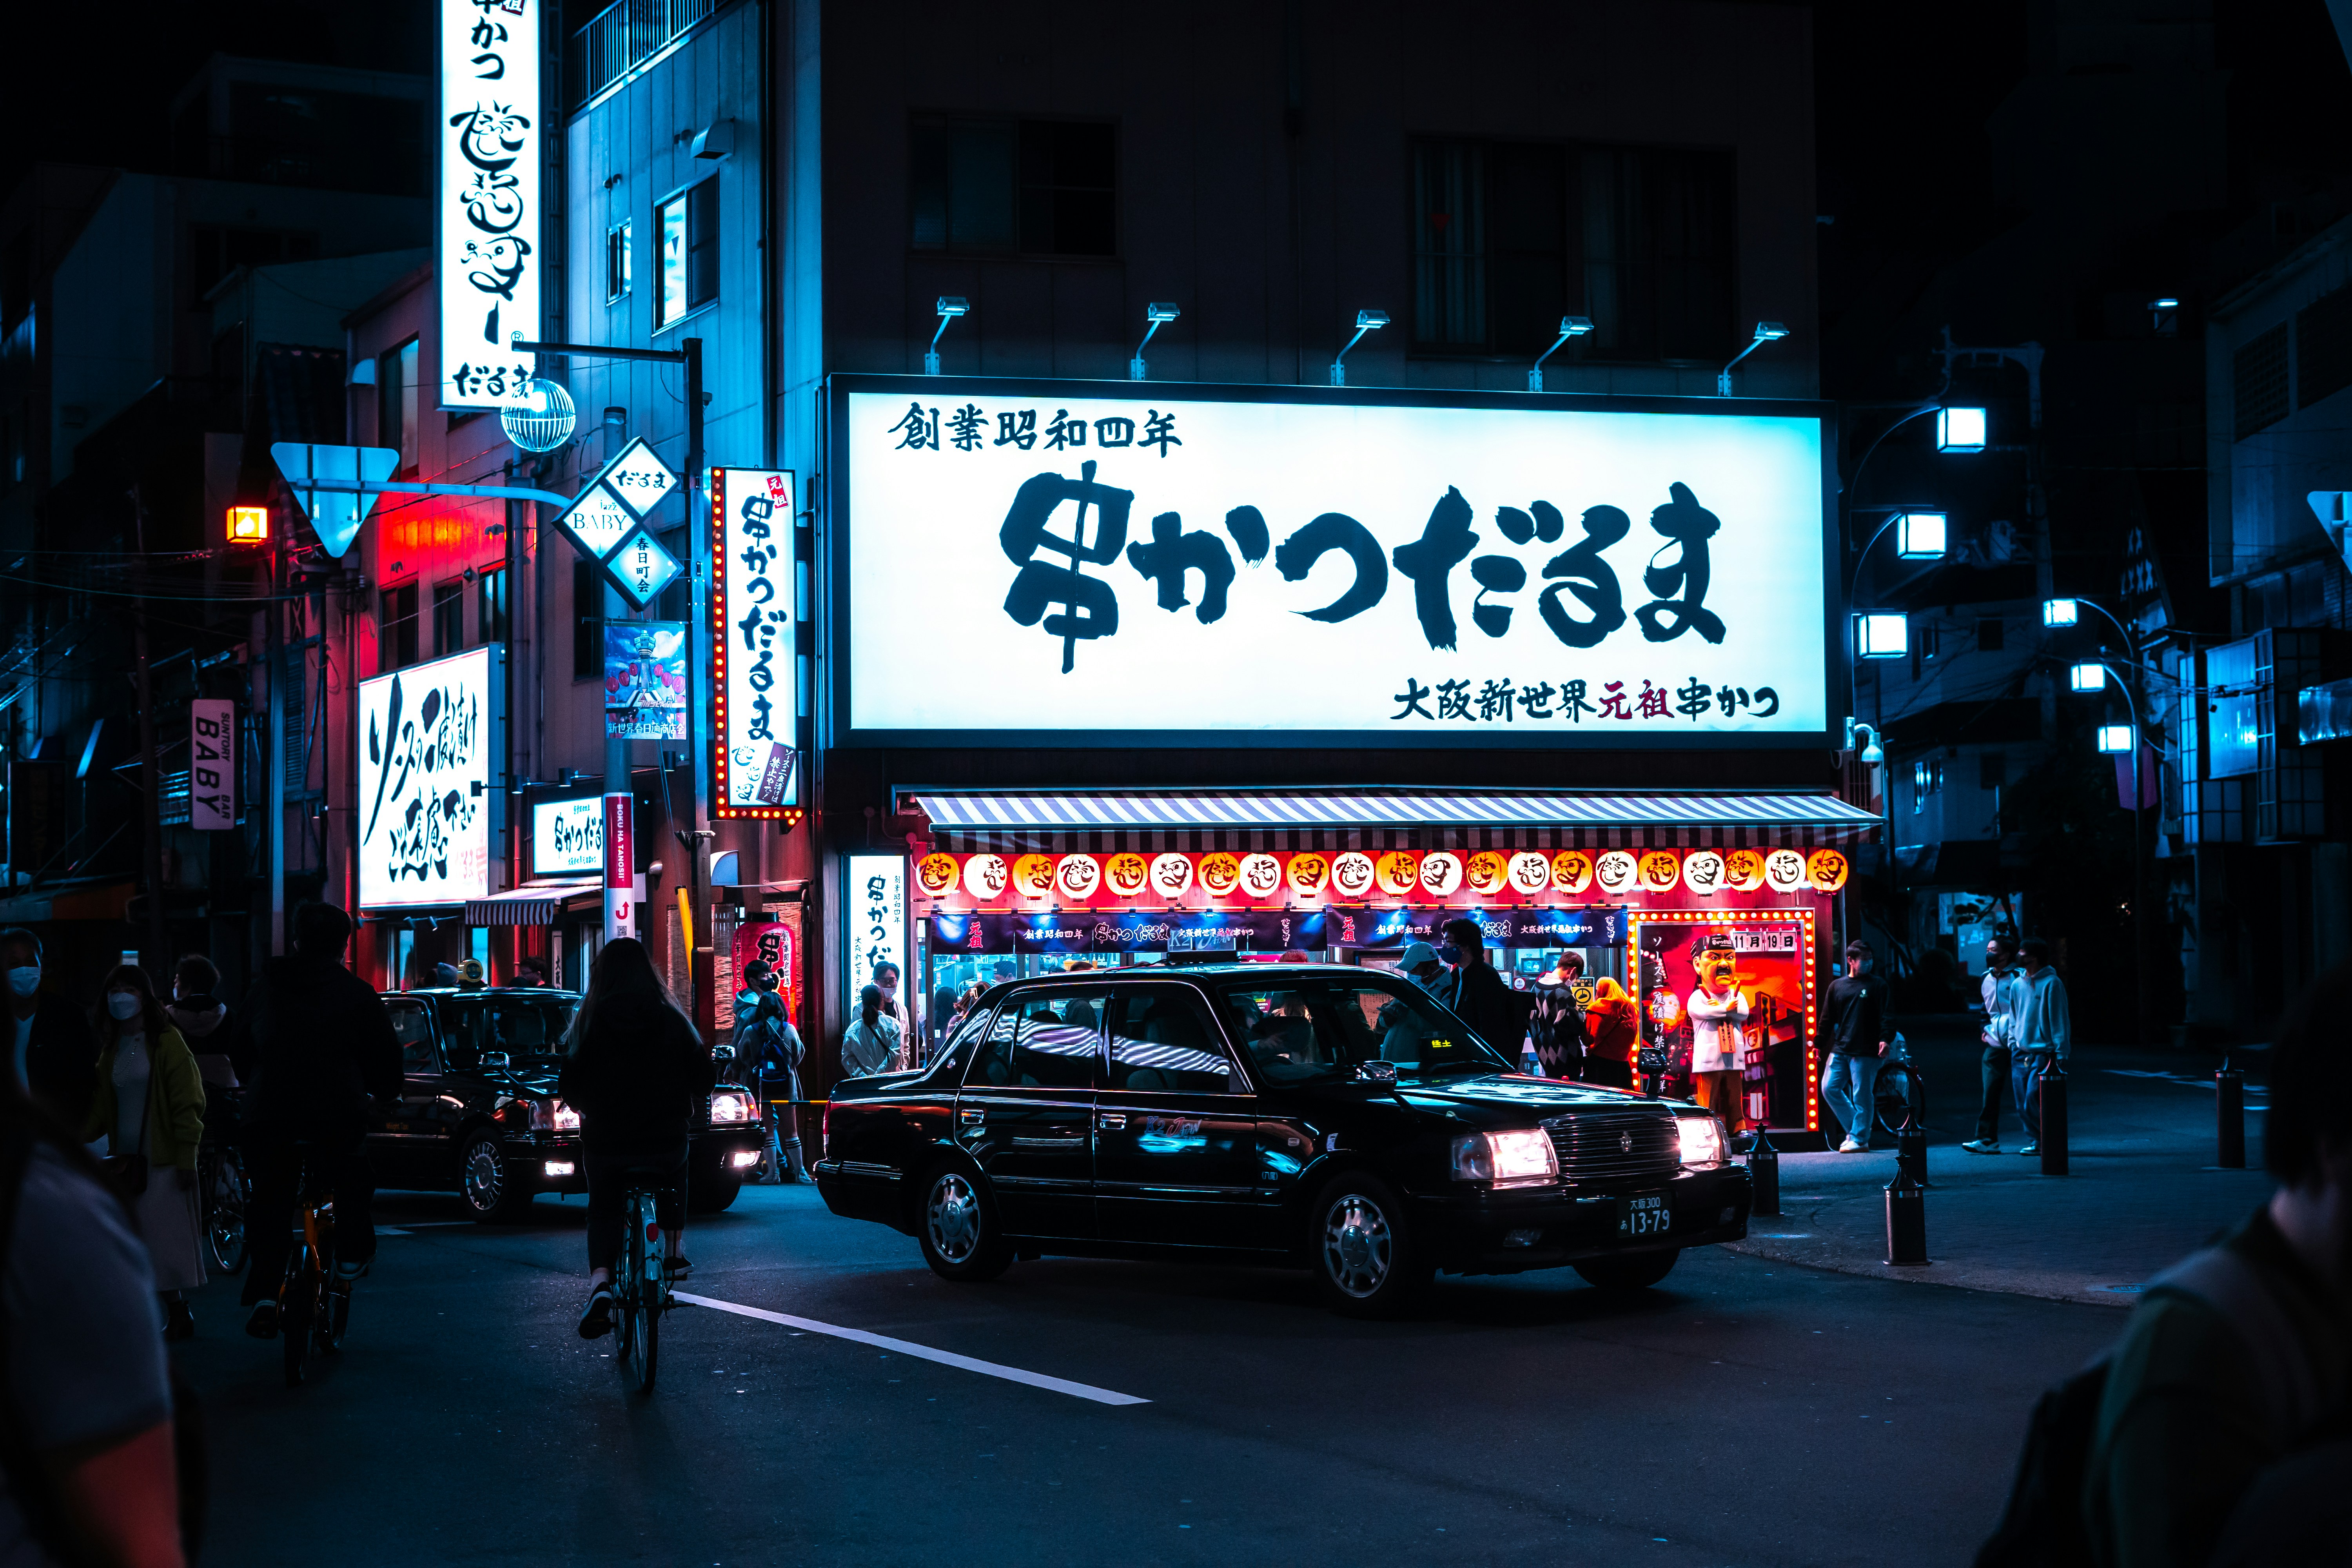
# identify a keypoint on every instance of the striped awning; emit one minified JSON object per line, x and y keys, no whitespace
{"x":1385,"y":820}
{"x":533,"y":906}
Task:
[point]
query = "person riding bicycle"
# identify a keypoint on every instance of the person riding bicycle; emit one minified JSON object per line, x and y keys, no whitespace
{"x":636,"y":1071}
{"x":315,"y":1046}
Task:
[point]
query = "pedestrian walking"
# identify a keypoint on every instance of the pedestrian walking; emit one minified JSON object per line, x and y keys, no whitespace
{"x":1477,"y":995}
{"x":1855,"y":1022}
{"x":885,"y":980}
{"x":768,"y":1051}
{"x":86,"y":1397}
{"x":56,"y":1052}
{"x":871,"y":1043}
{"x":531,"y":970}
{"x":2043,"y":1035}
{"x":1717,"y":1010}
{"x":148,"y":1102}
{"x":1612,"y":1032}
{"x":1556,"y":1023}
{"x":1999,"y":995}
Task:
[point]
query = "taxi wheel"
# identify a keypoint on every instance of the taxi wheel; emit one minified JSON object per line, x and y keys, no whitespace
{"x":1362,"y":1250}
{"x":957,"y":1225}
{"x":491,"y":1194}
{"x":1637,"y":1271}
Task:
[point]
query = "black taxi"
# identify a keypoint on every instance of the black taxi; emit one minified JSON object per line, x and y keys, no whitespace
{"x":478,"y":1113}
{"x":1319,"y":1115}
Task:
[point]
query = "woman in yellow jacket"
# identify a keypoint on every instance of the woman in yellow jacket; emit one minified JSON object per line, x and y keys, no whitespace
{"x":149,"y":1102}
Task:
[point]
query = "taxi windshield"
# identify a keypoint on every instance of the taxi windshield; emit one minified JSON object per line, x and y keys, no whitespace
{"x":1314,"y":1028}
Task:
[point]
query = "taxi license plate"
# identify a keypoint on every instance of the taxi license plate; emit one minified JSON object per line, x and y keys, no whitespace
{"x":1645,"y":1214}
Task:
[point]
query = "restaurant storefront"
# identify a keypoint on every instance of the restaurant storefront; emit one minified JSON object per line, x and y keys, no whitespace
{"x":1112,"y":664}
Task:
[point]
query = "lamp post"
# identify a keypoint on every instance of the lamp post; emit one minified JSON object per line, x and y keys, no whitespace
{"x":1766,"y":333}
{"x":2090,"y":676}
{"x":1569,"y":327}
{"x":1365,"y":321}
{"x":949,"y":306}
{"x":1158,"y":315}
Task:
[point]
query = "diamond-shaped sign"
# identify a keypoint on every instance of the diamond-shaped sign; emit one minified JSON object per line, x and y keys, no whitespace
{"x":596,"y":522}
{"x":638,"y":477}
{"x":641,"y":568}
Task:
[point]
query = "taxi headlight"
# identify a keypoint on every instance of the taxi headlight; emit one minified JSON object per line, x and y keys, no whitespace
{"x":1505,"y":1156}
{"x":732,"y":1107}
{"x":1703,"y":1139}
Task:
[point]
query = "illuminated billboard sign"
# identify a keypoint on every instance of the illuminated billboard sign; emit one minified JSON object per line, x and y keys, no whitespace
{"x":488,"y":139}
{"x":1058,"y":563}
{"x":755,"y":667}
{"x":432,"y":778}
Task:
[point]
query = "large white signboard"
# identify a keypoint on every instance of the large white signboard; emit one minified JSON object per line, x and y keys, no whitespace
{"x":754,"y":682}
{"x":567,"y":838}
{"x":487,"y":213}
{"x":430,"y":779}
{"x":1219,"y":565}
{"x":877,"y":921}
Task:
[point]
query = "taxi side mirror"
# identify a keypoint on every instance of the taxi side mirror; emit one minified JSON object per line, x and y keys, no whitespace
{"x":1375,"y":1072}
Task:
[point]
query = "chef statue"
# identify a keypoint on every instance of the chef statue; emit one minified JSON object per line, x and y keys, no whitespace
{"x":1718,"y":1018}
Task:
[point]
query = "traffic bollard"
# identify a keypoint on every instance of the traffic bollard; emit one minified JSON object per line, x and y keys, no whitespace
{"x":2230,"y":1114}
{"x":2053,"y":1121}
{"x":1906,"y":1221}
{"x":1911,"y":1151}
{"x":1764,"y":1175}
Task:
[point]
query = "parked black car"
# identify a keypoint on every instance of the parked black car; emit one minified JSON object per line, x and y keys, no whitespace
{"x":1314,"y":1114}
{"x":478,"y":1113}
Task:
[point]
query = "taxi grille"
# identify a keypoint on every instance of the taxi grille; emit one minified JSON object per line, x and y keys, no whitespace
{"x":1606,"y":1145}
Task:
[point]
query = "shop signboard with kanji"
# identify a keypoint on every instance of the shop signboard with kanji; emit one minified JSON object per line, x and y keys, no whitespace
{"x":431,"y":779}
{"x":756,"y":664}
{"x":1043,"y":563}
{"x":490,"y":133}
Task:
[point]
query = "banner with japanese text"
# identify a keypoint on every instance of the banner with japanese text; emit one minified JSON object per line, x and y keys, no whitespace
{"x":431,"y":773}
{"x":755,"y":663}
{"x":1043,"y":563}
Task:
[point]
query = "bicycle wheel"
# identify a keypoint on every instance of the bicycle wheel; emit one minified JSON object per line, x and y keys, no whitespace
{"x":641,"y":1257}
{"x":224,"y":1197}
{"x":326,"y":1326}
{"x":297,"y":1308}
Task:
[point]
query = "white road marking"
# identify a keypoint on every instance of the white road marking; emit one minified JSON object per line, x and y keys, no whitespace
{"x":925,"y":1353}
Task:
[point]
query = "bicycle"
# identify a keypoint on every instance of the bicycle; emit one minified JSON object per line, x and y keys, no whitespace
{"x":313,"y":1306}
{"x":224,"y":1191}
{"x":640,"y":1290}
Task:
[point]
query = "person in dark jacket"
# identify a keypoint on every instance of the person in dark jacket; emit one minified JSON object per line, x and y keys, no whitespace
{"x":1855,"y":1020}
{"x":636,"y":1071}
{"x":56,"y":1053}
{"x":1477,"y":993}
{"x":315,"y":1047}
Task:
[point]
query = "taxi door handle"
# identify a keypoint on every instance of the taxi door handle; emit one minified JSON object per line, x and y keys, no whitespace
{"x":1114,"y":1120}
{"x":972,"y":1118}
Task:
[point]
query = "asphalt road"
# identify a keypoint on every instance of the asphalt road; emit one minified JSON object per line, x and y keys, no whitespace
{"x":1749,"y":1412}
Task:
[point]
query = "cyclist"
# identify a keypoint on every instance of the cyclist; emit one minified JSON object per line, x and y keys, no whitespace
{"x":636,"y":1071}
{"x":316,"y":1045}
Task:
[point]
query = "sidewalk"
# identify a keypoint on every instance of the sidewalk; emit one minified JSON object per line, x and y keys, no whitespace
{"x":2143,"y":1191}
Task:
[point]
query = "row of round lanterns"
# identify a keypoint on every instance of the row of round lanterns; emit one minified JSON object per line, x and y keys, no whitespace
{"x":1259,"y":876}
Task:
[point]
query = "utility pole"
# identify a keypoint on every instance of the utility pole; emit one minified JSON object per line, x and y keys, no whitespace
{"x":151,"y":779}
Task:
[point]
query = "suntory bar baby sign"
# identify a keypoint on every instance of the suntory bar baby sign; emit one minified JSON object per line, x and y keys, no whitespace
{"x":1087,"y":561}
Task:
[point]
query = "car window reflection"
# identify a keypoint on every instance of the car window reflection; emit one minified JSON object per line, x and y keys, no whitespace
{"x":1319,"y":1029}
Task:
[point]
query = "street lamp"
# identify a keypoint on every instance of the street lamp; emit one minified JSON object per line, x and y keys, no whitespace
{"x":1569,"y":327}
{"x":2164,"y":315}
{"x":1766,"y":333}
{"x":1872,"y":753}
{"x":2061,"y":611}
{"x":1879,"y":633}
{"x":248,"y":525}
{"x":1365,"y":321}
{"x":949,"y":307}
{"x":2115,"y":740}
{"x":543,"y":424}
{"x":1960,"y":429}
{"x":1159,"y":315}
{"x":1920,"y":535}
{"x":2090,"y":677}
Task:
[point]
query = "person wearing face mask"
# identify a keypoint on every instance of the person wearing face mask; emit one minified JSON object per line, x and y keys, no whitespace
{"x":1478,"y":994}
{"x":871,"y":1042}
{"x":54,"y":1052}
{"x":149,"y":1104}
{"x":885,"y":980}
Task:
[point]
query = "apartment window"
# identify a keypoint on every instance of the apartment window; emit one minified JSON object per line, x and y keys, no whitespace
{"x":688,"y":226}
{"x":617,"y":262}
{"x":587,"y":622}
{"x":396,"y":403}
{"x":1511,"y":236}
{"x":1001,"y":187}
{"x":1927,"y":779}
{"x":490,"y":622}
{"x":2258,"y":371}
{"x":397,"y":628}
{"x":1989,"y":634}
{"x":449,"y":616}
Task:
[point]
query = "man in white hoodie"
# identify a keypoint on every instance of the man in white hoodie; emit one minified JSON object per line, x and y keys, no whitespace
{"x":2043,"y":1034}
{"x":2001,"y":984}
